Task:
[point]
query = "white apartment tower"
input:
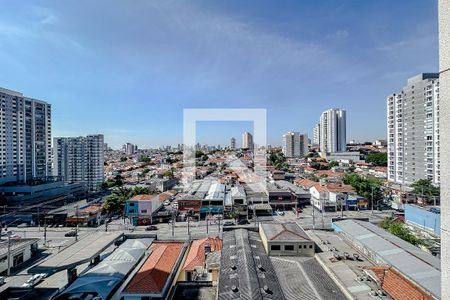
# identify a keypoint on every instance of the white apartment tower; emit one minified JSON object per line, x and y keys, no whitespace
{"x":80,"y":159}
{"x":25,"y":138}
{"x":333,"y":131}
{"x":316,"y":135}
{"x":413,"y":131}
{"x":247,"y":141}
{"x":233,"y":144}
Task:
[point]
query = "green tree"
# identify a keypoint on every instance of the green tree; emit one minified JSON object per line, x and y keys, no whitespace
{"x":116,"y":201}
{"x":398,"y":229}
{"x":122,"y":159}
{"x":118,"y":180}
{"x":426,"y":189}
{"x":140,"y":190}
{"x":332,"y":164}
{"x":199,"y":154}
{"x":145,"y":159}
{"x":377,"y":159}
{"x":365,"y":187}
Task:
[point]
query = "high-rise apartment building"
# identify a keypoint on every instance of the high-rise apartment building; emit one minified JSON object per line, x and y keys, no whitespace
{"x":413,"y":131}
{"x":233,"y":143}
{"x":130,"y":149}
{"x":247,"y":141}
{"x":294,"y":144}
{"x":333,"y":131}
{"x":80,"y":159}
{"x":316,"y":135}
{"x":25,"y":138}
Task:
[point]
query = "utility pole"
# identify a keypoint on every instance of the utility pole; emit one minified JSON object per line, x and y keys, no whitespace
{"x":39,"y":219}
{"x":45,"y":231}
{"x":76,"y":228}
{"x":9,"y":256}
{"x":218,"y":225}
{"x":342,"y":208}
{"x":372,"y":197}
{"x":173,"y":225}
{"x":207,"y":227}
{"x":189,"y":228}
{"x":313,"y":215}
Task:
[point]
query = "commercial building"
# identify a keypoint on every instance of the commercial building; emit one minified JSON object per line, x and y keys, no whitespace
{"x":25,"y":138}
{"x":20,"y":251}
{"x":247,"y":141}
{"x":287,"y":239}
{"x":416,"y":270}
{"x":233,"y":143}
{"x":139,"y":209}
{"x":80,"y":159}
{"x":333,"y":131}
{"x":413,"y":131}
{"x":102,"y":280}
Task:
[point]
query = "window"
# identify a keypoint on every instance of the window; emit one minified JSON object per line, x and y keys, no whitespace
{"x":131,"y":204}
{"x":144,"y":211}
{"x":275,"y":247}
{"x":289,"y":248}
{"x":310,"y":246}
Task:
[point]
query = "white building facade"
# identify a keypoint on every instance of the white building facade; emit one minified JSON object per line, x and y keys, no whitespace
{"x":294,"y":144}
{"x":413,"y":131}
{"x":333,"y":131}
{"x":247,"y":141}
{"x":25,"y":138}
{"x":80,"y":159}
{"x":316,"y":135}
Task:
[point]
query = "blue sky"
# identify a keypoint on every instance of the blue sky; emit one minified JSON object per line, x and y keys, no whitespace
{"x":128,"y":68}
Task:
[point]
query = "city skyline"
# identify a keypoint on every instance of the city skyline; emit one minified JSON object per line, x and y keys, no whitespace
{"x":258,"y":62}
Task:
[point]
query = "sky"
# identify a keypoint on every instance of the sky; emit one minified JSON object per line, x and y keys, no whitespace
{"x":127,"y":69}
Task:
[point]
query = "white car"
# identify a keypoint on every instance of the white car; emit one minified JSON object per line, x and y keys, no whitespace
{"x":33,"y":280}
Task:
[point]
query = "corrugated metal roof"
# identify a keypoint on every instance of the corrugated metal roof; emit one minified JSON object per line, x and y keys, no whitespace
{"x":246,"y":271}
{"x":415,"y":264}
{"x":103,"y":278}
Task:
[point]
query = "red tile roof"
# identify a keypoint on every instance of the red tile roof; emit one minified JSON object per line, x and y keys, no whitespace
{"x":143,"y":197}
{"x":196,"y":255}
{"x":153,"y":274}
{"x":397,"y":286}
{"x":305,"y":183}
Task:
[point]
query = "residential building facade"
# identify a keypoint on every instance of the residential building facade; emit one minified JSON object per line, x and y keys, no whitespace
{"x":294,"y":144}
{"x":247,"y":141}
{"x":333,"y":131}
{"x":233,"y":143}
{"x":316,"y":135}
{"x":413,"y":131}
{"x":80,"y":159}
{"x":25,"y":138}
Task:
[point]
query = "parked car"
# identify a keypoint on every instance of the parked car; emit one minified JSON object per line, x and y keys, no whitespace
{"x":228,"y":223}
{"x":151,"y":228}
{"x":243,"y":222}
{"x":2,"y":280}
{"x":23,"y":225}
{"x":33,"y":280}
{"x":279,"y":213}
{"x":71,"y":233}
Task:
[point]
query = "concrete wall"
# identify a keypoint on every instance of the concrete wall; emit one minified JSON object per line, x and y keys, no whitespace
{"x":423,"y":218}
{"x":444,"y":68}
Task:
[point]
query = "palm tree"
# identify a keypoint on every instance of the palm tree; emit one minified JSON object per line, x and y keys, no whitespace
{"x":116,"y":201}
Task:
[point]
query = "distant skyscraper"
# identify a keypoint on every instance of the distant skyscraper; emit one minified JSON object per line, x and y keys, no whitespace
{"x":294,"y":144}
{"x":80,"y":159}
{"x":247,"y":141}
{"x":233,"y":143}
{"x":25,"y":137}
{"x":291,"y":144}
{"x":413,"y":131}
{"x":316,"y":135}
{"x":130,"y":149}
{"x":333,"y":131}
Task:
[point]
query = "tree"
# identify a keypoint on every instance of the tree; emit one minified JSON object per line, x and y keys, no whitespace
{"x":199,"y":154}
{"x":319,"y":166}
{"x":140,"y":190}
{"x":377,"y":159}
{"x":398,"y":229}
{"x":118,"y":180}
{"x":332,"y":164}
{"x":365,"y":187}
{"x":145,"y":159}
{"x":122,"y":159}
{"x":116,"y":201}
{"x":426,"y":189}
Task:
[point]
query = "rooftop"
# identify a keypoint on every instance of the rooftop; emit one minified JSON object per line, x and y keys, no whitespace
{"x":153,"y":275}
{"x":196,"y":255}
{"x":284,"y":232}
{"x":246,"y":271}
{"x":413,"y":263}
